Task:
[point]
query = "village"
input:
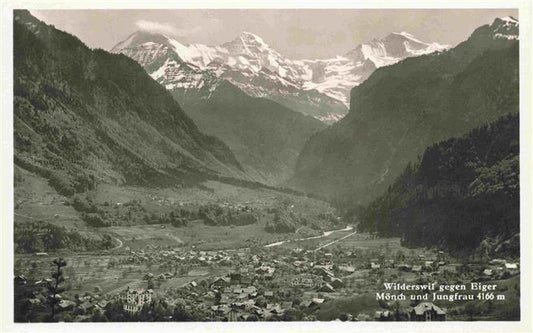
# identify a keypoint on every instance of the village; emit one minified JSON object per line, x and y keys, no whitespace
{"x":301,"y":281}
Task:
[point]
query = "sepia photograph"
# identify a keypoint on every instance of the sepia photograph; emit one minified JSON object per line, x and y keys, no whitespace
{"x":354,"y":166}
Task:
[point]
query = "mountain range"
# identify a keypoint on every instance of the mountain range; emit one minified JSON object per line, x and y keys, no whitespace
{"x":82,"y":116}
{"x":319,"y":88}
{"x":403,"y":108}
{"x":265,"y":136}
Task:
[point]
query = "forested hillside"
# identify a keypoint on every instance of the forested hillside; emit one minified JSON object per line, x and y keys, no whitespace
{"x":265,"y":136}
{"x":462,"y":195}
{"x":404,"y":108}
{"x":83,"y":116}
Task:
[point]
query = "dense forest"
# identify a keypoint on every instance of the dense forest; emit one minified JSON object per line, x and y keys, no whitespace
{"x":462,"y":195}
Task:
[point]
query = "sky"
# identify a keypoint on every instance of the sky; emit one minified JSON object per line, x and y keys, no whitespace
{"x":295,"y":33}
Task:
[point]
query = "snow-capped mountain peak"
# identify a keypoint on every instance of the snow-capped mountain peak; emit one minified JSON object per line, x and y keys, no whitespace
{"x":505,"y":27}
{"x":250,"y":38}
{"x":319,"y":87}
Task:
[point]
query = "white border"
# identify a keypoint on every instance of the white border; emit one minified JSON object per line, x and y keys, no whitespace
{"x":6,"y":182}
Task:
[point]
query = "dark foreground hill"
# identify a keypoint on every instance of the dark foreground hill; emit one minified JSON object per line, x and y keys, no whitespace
{"x":463,"y":195}
{"x":82,"y":115}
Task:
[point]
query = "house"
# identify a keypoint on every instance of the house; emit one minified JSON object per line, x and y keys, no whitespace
{"x":383,"y":315}
{"x":286,"y":305}
{"x":66,"y":305}
{"x":416,"y":269}
{"x":500,"y":262}
{"x":317,"y":301}
{"x":374,"y":265}
{"x":86,"y":306}
{"x":323,"y":271}
{"x":487,"y":272}
{"x":347,"y":269}
{"x":269,"y":294}
{"x":274,"y":308}
{"x":511,"y":268}
{"x":102,"y":304}
{"x":249,"y":290}
{"x":221,"y":282}
{"x":404,"y":267}
{"x":135,"y":299}
{"x":427,"y":311}
{"x":303,"y":282}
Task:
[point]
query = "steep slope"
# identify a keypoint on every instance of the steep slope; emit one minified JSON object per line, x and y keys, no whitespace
{"x":82,"y":116}
{"x":464,"y":191}
{"x":319,"y":88}
{"x":403,"y":108}
{"x":265,"y":136}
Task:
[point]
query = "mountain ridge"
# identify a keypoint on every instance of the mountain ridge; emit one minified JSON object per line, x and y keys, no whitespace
{"x":83,"y":115}
{"x":401,"y":109}
{"x":317,"y":87}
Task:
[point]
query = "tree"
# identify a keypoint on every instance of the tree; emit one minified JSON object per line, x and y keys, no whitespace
{"x":54,"y":287}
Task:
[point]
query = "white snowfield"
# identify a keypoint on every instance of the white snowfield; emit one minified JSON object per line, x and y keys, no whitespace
{"x":260,"y":71}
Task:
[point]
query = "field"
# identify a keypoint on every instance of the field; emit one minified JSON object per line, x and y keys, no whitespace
{"x":35,"y":200}
{"x":109,"y":271}
{"x":166,"y":258}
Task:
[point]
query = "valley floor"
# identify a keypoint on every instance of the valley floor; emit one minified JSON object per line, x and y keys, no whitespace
{"x":233,"y":272}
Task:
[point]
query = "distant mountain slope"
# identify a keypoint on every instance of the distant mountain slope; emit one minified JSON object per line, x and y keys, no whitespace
{"x":82,"y":115}
{"x":265,"y":136}
{"x":463,"y":191}
{"x":319,"y":88}
{"x":403,"y":108}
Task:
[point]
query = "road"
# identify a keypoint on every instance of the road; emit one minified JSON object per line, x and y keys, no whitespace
{"x":119,"y":244}
{"x":335,"y":241}
{"x":324,"y":234}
